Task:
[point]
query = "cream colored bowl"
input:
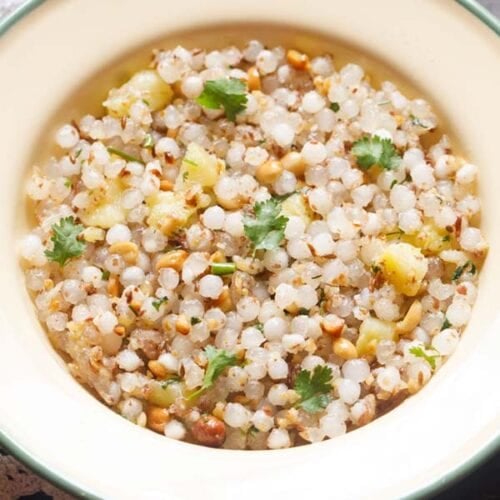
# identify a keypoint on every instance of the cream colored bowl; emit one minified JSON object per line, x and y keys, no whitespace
{"x":55,"y":63}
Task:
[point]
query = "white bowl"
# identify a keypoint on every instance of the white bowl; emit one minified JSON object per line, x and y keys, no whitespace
{"x":53,"y":65}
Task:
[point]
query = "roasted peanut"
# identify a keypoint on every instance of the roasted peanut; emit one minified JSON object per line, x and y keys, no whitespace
{"x":344,"y":348}
{"x":269,"y":171}
{"x":174,"y":259}
{"x":157,"y":369}
{"x":332,"y":325}
{"x":297,"y":60}
{"x":209,"y":431}
{"x":253,"y":79}
{"x":294,"y":162}
{"x":182,"y":325}
{"x":411,"y":319}
{"x":166,"y":185}
{"x":157,"y":418}
{"x":127,"y":249}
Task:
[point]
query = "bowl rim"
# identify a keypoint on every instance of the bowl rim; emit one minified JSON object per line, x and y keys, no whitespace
{"x":69,"y":486}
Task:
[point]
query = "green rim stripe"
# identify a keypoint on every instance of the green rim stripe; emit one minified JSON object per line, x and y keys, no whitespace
{"x":69,"y":486}
{"x":482,"y":13}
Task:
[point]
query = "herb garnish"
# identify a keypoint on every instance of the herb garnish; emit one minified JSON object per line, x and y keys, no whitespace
{"x":469,"y":265}
{"x":189,"y":162}
{"x":125,"y":156}
{"x":218,"y":361}
{"x":314,"y":389}
{"x":374,"y":150}
{"x":222,"y":268}
{"x":105,"y":275}
{"x":148,"y":141}
{"x":158,"y":303}
{"x":335,"y":106}
{"x":417,"y":122}
{"x":267,"y":229}
{"x":66,"y":242}
{"x":195,"y":320}
{"x":227,"y":93}
{"x":446,"y":324}
{"x":420,"y":353}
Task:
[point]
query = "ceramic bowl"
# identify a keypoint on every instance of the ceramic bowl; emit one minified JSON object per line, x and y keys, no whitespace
{"x":55,"y":64}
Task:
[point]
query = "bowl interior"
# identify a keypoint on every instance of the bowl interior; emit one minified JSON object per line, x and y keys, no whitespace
{"x":47,"y":410}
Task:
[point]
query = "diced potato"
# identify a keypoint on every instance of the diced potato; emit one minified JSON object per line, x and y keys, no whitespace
{"x":165,"y":394}
{"x":431,"y":239}
{"x":105,"y":209}
{"x":168,"y":211}
{"x":371,"y":332}
{"x":297,"y":206}
{"x":146,"y":86}
{"x":199,"y":167}
{"x":404,"y":266}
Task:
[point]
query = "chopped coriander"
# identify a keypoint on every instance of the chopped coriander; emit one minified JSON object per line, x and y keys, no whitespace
{"x":145,"y":101}
{"x":195,"y":320}
{"x":124,"y":155}
{"x":303,"y":310}
{"x":66,"y":242}
{"x":259,"y":327}
{"x":314,"y":388}
{"x":335,"y":106}
{"x":169,"y":381}
{"x":158,"y":303}
{"x":393,"y":183}
{"x":227,"y":93}
{"x":376,"y":269}
{"x":148,"y":142}
{"x":68,"y":183}
{"x":267,"y":229}
{"x":398,"y":233}
{"x":446,"y":324}
{"x":78,"y":153}
{"x":462,"y":269}
{"x":105,"y":274}
{"x":252,"y":430}
{"x":447,"y":238}
{"x":222,"y":268}
{"x":218,"y":361}
{"x":189,"y":162}
{"x":420,"y":353}
{"x":374,"y":150}
{"x":283,"y":197}
{"x":185,"y":175}
{"x":417,"y":122}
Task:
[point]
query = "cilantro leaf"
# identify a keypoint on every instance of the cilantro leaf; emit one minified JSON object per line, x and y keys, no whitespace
{"x":218,"y":361}
{"x":227,"y":93}
{"x":334,"y":106}
{"x":374,"y":150}
{"x":314,"y":388}
{"x":195,"y":320}
{"x":420,"y":353}
{"x":446,"y":324}
{"x":66,"y":242}
{"x":267,"y":229}
{"x":461,"y":270}
{"x":125,"y":156}
{"x":148,"y":142}
{"x":158,"y":303}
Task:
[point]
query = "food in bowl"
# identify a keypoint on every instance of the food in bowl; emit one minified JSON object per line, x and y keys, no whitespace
{"x":252,"y":248}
